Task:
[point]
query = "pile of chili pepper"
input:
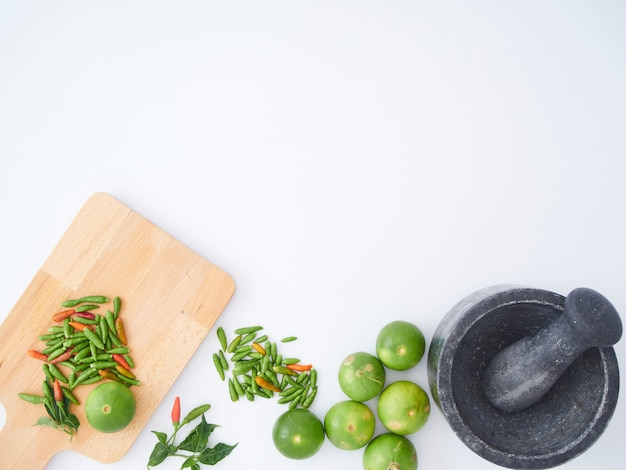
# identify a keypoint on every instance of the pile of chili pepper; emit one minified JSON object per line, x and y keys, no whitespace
{"x":259,"y":369}
{"x":82,"y":347}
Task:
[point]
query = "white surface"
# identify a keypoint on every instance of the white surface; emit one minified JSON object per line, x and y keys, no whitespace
{"x":348,"y":163}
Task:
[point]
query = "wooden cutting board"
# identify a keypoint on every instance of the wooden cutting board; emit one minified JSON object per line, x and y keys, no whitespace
{"x":171,"y":297}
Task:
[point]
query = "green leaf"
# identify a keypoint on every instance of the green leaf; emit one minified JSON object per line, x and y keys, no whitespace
{"x":46,"y":421}
{"x":159,"y":454}
{"x":213,"y":455}
{"x":195,"y":413}
{"x":161,"y":436}
{"x":190,"y":462}
{"x":197,"y":439}
{"x":71,"y":423}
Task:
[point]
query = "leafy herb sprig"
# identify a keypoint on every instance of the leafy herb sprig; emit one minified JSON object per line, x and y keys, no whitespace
{"x":194,"y":448}
{"x":57,"y":406}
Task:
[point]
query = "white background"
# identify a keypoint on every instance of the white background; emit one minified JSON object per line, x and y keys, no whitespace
{"x":347,"y":162}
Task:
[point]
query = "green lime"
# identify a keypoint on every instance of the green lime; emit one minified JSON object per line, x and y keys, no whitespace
{"x":110,"y":407}
{"x":361,"y":376}
{"x":403,"y":407}
{"x":298,"y":434}
{"x":349,"y":424}
{"x":390,"y":452}
{"x":400,"y":345}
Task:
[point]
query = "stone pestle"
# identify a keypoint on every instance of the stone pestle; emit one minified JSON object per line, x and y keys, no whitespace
{"x":521,"y":374}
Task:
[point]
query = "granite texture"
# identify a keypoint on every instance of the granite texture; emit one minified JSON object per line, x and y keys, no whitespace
{"x":565,"y":422}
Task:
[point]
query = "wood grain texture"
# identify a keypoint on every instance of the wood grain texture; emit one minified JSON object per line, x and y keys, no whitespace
{"x":171,"y":297}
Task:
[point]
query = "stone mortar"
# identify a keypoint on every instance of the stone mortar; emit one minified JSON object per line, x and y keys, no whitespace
{"x":562,"y":425}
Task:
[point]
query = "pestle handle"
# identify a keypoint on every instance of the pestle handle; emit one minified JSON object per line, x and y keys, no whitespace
{"x":521,"y":374}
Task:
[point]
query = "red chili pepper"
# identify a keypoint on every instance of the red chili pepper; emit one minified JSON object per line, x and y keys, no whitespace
{"x":176,"y":412}
{"x":300,"y":367}
{"x":121,"y":361}
{"x":58,"y":393}
{"x":63,"y":357}
{"x":63,"y":315}
{"x":37,"y":355}
{"x":87,"y":315}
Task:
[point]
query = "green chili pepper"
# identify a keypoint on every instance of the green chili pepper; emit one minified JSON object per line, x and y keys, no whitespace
{"x":34,"y":399}
{"x":92,"y":380}
{"x":313,"y":378}
{"x":218,"y":366}
{"x":50,"y":336}
{"x":56,"y":373}
{"x":127,"y":380}
{"x":223,"y":360}
{"x":47,"y":390}
{"x":233,"y":344}
{"x":117,"y":305}
{"x":69,"y":395}
{"x":104,"y":330}
{"x":309,"y":400}
{"x":94,"y":338}
{"x":247,"y":329}
{"x":237,"y":385}
{"x":284,"y":371}
{"x":103,"y":364}
{"x":110,"y":319}
{"x":119,"y":350}
{"x":234,"y":396}
{"x":86,"y":308}
{"x":221,"y":336}
{"x":97,"y":299}
{"x":67,"y":328}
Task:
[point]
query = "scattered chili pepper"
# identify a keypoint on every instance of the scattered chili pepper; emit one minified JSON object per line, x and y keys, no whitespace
{"x":121,"y":361}
{"x":63,"y":315}
{"x":261,"y":382}
{"x":300,"y":367}
{"x":259,"y":348}
{"x":107,"y":374}
{"x":30,"y":398}
{"x":85,"y":344}
{"x":97,"y":299}
{"x":176,"y":412}
{"x":63,"y":357}
{"x":87,"y":315}
{"x":58,"y":393}
{"x":125,"y":372}
{"x":37,"y":355}
{"x":78,"y":326}
{"x":121,"y":332}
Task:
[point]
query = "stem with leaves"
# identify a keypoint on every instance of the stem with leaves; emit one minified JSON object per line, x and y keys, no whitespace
{"x":194,"y":448}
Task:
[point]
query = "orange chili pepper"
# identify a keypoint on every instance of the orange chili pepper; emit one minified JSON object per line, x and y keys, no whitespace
{"x":261,"y":382}
{"x":176,"y":412}
{"x":259,"y":348}
{"x":121,"y":361}
{"x":63,"y":315}
{"x":58,"y":393}
{"x":79,"y":326}
{"x":37,"y":355}
{"x":121,"y":333}
{"x":300,"y":367}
